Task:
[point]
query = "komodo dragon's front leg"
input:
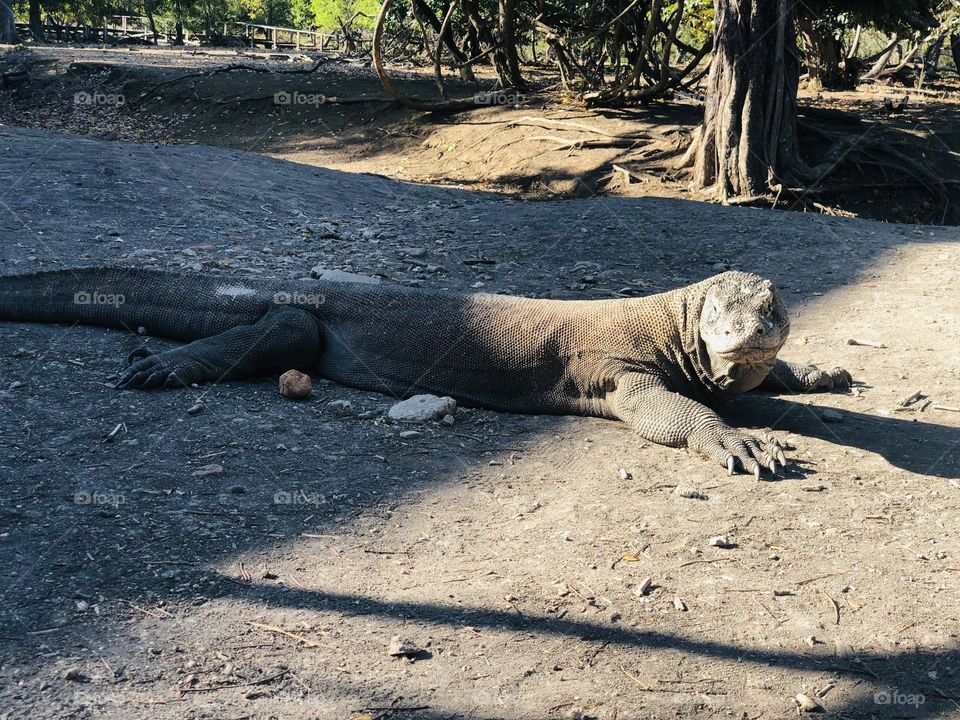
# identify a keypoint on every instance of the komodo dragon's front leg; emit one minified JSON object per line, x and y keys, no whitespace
{"x":282,"y":339}
{"x":792,"y":377}
{"x":668,"y":418}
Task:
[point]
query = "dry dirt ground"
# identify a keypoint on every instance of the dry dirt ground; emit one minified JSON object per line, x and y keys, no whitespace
{"x":254,"y":560}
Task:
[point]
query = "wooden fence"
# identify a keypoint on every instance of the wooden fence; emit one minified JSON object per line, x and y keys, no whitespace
{"x":135,"y":28}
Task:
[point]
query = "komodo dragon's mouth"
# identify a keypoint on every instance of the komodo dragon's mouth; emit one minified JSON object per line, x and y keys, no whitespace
{"x":750,"y":355}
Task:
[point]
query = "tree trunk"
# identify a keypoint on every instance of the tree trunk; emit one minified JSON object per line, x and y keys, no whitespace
{"x":824,"y":56}
{"x":36,"y":24}
{"x":508,"y":37}
{"x":178,"y":31}
{"x":153,"y":23}
{"x":423,"y":10}
{"x":485,"y":37}
{"x":748,"y":139}
{"x":8,"y":30}
{"x":955,"y":51}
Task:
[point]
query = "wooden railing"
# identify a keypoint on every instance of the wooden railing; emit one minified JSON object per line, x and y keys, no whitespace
{"x":282,"y":37}
{"x":117,"y":27}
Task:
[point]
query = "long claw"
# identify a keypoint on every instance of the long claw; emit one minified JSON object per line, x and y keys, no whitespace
{"x":773,"y":467}
{"x":782,"y":458}
{"x":730,"y":464}
{"x":756,"y":472}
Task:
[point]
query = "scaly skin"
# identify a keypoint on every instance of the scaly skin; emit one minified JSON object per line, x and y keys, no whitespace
{"x":659,"y":363}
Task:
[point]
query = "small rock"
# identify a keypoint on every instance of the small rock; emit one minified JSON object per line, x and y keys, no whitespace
{"x":16,"y":384}
{"x":323,"y":230}
{"x":423,"y":408}
{"x":624,"y":474}
{"x":83,"y":605}
{"x":448,"y":420}
{"x":686,"y":491}
{"x":341,"y":407}
{"x":807,"y":704}
{"x":831,"y":415}
{"x":321,"y":273}
{"x":415,"y":251}
{"x":402,"y":647}
{"x":237,"y":490}
{"x":679,"y":604}
{"x":211,"y":469}
{"x":720,"y":541}
{"x":643,"y":586}
{"x":295,"y":385}
{"x":73,"y":674}
{"x":194,"y":409}
{"x":410,"y":435}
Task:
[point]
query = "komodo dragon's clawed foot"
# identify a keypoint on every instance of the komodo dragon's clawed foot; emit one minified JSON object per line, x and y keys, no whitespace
{"x":833,"y":379}
{"x":170,"y":369}
{"x":736,"y":449}
{"x":141,"y":352}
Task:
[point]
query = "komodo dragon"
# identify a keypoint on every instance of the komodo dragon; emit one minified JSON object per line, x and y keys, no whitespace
{"x":655,"y":362}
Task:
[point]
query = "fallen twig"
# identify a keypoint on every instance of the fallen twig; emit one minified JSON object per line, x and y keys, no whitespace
{"x":280,"y":631}
{"x":866,"y":343}
{"x":836,"y":606}
{"x":224,"y":686}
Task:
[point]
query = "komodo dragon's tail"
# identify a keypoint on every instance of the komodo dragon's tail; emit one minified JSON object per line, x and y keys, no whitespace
{"x":167,"y":304}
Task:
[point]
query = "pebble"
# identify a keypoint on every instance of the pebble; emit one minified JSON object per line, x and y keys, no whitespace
{"x":83,"y":605}
{"x":73,"y":674}
{"x":624,"y":475}
{"x":295,"y":385}
{"x":341,"y":407}
{"x":211,"y":469}
{"x":402,"y":647}
{"x":237,"y":489}
{"x":686,"y":491}
{"x":831,"y":415}
{"x":679,"y":604}
{"x":643,"y":586}
{"x":720,"y":541}
{"x":410,"y":435}
{"x":807,"y":704}
{"x":423,"y":408}
{"x":194,"y":409}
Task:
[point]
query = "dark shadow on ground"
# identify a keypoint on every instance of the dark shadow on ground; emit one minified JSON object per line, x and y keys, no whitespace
{"x":879,"y":672}
{"x":921,"y":446}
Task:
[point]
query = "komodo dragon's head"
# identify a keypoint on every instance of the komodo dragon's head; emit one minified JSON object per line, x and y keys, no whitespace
{"x":743,"y":321}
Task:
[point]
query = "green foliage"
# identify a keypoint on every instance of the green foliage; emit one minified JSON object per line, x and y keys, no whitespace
{"x":327,"y":12}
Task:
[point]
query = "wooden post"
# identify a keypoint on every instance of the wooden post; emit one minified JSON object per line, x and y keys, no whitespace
{"x":224,"y":29}
{"x":123,"y":19}
{"x":298,"y":41}
{"x":104,"y":29}
{"x":273,"y":38}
